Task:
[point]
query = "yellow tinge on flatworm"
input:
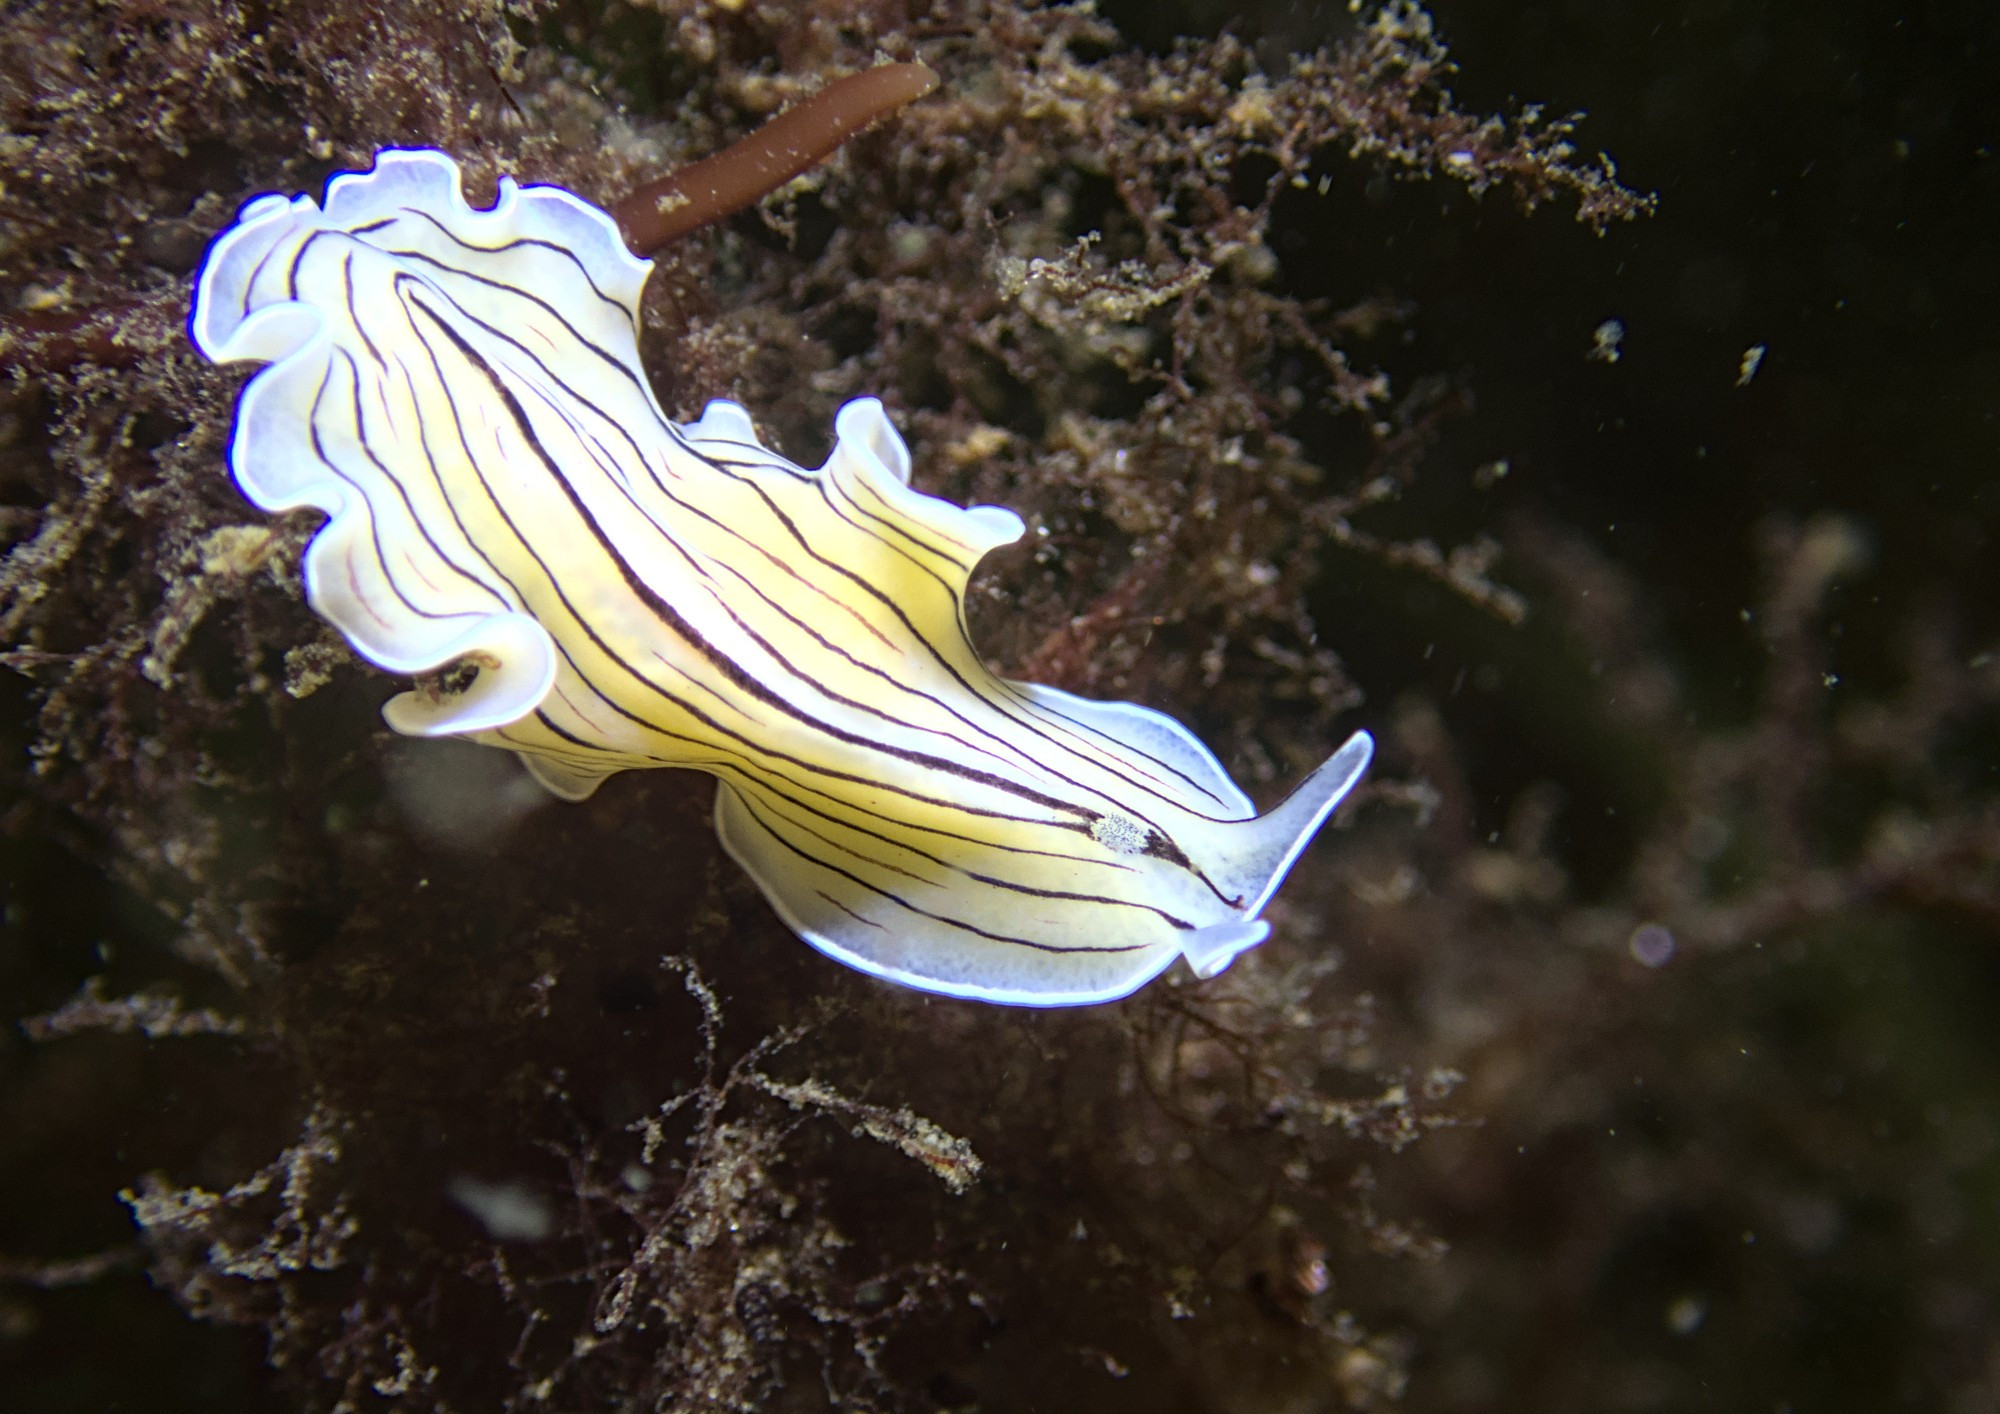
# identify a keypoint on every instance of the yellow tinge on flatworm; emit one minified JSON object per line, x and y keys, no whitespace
{"x":460,"y":392}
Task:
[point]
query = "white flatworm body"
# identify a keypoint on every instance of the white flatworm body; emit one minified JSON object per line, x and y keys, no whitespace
{"x":460,"y":392}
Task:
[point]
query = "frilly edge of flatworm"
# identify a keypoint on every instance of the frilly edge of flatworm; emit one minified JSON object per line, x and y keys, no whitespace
{"x":231,"y":322}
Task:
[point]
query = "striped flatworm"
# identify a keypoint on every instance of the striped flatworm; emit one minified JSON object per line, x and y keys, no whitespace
{"x":575,"y":577}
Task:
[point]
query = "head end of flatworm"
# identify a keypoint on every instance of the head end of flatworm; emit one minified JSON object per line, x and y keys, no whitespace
{"x":300,"y":284}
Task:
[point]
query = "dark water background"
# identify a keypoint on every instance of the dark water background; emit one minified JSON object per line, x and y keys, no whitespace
{"x":1829,"y":181}
{"x":1829,"y":184}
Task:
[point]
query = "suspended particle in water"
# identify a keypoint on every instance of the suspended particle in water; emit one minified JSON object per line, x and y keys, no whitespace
{"x":1651,"y":945}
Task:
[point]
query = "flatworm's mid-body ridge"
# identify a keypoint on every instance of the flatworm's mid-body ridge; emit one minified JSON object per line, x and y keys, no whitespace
{"x":460,"y":392}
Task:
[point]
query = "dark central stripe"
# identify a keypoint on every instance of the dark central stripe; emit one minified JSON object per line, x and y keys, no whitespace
{"x":728,"y":767}
{"x":721,"y":662}
{"x":991,"y":882}
{"x":555,"y":584}
{"x":605,"y":463}
{"x":1007,"y":704}
{"x":904,"y":903}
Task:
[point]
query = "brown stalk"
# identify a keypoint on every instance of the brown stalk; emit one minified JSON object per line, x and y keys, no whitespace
{"x":801,"y":136}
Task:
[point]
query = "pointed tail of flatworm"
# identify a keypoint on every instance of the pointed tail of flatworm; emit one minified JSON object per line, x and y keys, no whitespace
{"x":1260,"y":852}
